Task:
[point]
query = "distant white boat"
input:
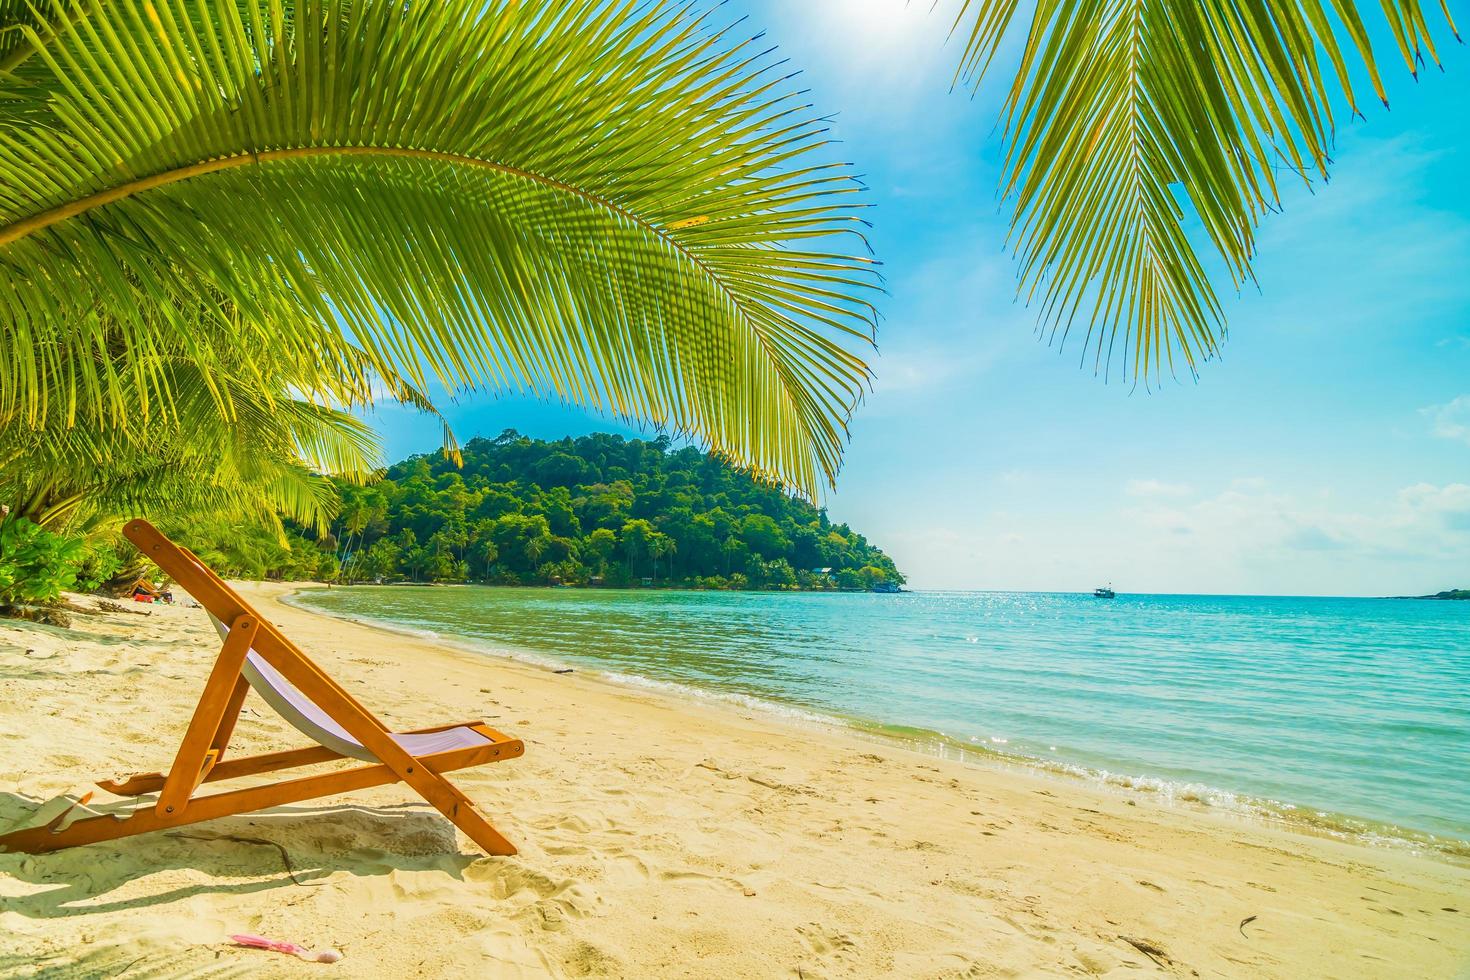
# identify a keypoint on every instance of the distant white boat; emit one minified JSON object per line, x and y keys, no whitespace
{"x":1105,"y":592}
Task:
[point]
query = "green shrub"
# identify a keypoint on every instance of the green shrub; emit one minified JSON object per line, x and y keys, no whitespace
{"x":36,"y":566}
{"x":97,"y":566}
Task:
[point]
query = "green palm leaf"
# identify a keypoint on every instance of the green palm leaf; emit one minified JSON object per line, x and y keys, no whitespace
{"x":1128,"y":117}
{"x":227,"y":448}
{"x":614,"y":204}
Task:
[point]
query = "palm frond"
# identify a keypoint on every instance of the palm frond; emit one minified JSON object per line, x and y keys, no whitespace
{"x":622,"y":205}
{"x":16,"y":16}
{"x":1127,"y":118}
{"x":227,"y":449}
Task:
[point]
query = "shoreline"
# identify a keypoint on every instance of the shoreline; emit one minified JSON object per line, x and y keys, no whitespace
{"x":1187,"y":796}
{"x":659,"y":836}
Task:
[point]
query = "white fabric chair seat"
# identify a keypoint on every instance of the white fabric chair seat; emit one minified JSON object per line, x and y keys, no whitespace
{"x":308,"y":718}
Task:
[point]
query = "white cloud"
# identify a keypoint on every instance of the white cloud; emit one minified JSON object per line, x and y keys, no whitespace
{"x":927,"y":370}
{"x":1423,"y":523}
{"x":1451,"y":420}
{"x":1447,"y":506}
{"x":1247,"y":539}
{"x":1157,"y":488}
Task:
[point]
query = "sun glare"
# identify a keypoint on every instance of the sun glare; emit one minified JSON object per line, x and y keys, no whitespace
{"x":876,"y":12}
{"x":880,"y":19}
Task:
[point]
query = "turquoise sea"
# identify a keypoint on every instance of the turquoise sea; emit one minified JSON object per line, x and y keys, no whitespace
{"x":1351,"y":714}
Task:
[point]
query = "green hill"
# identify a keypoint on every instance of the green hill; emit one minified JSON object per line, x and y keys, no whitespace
{"x":598,"y":510}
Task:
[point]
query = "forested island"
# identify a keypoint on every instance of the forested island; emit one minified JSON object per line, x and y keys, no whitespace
{"x":596,"y":510}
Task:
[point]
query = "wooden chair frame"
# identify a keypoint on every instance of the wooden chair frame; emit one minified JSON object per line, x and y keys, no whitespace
{"x":200,"y":757}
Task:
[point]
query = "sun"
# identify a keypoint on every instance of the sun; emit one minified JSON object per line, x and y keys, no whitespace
{"x":876,"y":14}
{"x":880,"y":21}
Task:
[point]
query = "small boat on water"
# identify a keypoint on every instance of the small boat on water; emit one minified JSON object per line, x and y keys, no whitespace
{"x":1104,"y":592}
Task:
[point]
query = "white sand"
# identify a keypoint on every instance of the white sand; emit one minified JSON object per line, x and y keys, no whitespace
{"x":659,"y":837}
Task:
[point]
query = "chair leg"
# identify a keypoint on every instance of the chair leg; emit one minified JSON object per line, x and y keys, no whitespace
{"x":418,"y":773}
{"x":464,"y":815}
{"x":221,"y":692}
{"x":36,"y":840}
{"x":226,"y":727}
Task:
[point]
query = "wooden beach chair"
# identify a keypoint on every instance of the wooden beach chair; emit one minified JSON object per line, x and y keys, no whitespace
{"x":255,"y":654}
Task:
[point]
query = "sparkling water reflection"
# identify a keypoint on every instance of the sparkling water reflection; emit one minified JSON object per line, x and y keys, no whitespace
{"x":1352,"y":706}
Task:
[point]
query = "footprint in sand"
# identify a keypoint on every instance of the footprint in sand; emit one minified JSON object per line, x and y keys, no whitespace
{"x":630,"y":866}
{"x":573,"y":822}
{"x":826,"y":942}
{"x":520,"y":887}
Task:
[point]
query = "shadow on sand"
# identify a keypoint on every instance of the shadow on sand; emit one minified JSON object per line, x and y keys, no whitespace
{"x":285,"y":847}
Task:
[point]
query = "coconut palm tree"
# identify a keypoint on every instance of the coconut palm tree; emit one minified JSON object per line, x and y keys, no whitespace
{"x":1130,"y":121}
{"x":623,"y":205}
{"x":660,"y":544}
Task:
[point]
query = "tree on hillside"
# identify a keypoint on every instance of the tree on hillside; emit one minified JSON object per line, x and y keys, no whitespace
{"x":699,"y":523}
{"x":661,"y":545}
{"x":521,"y":541}
{"x":735,"y":552}
{"x":637,"y":538}
{"x":763,"y":536}
{"x":600,"y":547}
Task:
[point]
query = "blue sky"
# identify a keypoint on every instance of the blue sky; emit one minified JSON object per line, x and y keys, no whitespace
{"x":1327,"y":453}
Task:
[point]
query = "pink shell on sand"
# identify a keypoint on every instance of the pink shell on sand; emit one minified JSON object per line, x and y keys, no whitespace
{"x":292,"y":949}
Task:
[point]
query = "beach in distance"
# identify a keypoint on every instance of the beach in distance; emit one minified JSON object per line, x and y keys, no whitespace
{"x":709,"y":819}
